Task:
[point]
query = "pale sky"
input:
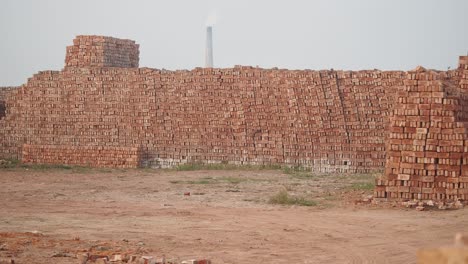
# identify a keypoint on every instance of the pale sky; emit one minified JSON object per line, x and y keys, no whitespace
{"x":294,"y":34}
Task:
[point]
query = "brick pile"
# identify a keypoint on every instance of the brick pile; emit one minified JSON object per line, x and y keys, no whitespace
{"x":98,"y":156}
{"x":328,"y":121}
{"x":8,"y":143}
{"x":4,"y":93}
{"x":325,"y":120}
{"x":100,"y":51}
{"x":427,"y":150}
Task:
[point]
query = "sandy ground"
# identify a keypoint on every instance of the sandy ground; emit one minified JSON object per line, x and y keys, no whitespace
{"x":227,"y":217}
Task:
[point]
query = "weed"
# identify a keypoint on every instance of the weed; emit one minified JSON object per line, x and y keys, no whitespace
{"x":16,"y":164}
{"x":201,"y":182}
{"x":362,"y":186}
{"x":9,"y":163}
{"x":211,"y":180}
{"x":176,"y":182}
{"x":45,"y":166}
{"x":223,"y":166}
{"x":330,"y":197}
{"x":288,"y":187}
{"x":294,"y":169}
{"x":284,"y":198}
{"x":205,"y":180}
{"x":233,"y":180}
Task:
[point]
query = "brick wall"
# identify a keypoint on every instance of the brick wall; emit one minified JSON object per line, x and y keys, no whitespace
{"x":325,"y":120}
{"x":5,"y":92}
{"x":113,"y":157}
{"x":329,"y":121}
{"x":427,"y":150}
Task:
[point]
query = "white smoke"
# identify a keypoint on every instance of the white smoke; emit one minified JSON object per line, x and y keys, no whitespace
{"x":211,"y":19}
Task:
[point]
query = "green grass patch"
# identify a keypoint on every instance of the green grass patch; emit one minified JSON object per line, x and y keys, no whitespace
{"x":46,"y":166}
{"x":233,"y":180}
{"x":362,"y":186}
{"x":283,"y":198}
{"x":210,"y":180}
{"x":201,"y":182}
{"x":204,"y":180}
{"x":223,"y":166}
{"x":294,"y":169}
{"x":303,"y":173}
{"x":16,"y":164}
{"x":362,"y":182}
{"x":176,"y":182}
{"x":9,"y":163}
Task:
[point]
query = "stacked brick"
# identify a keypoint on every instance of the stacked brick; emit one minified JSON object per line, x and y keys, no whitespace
{"x":8,"y":142}
{"x":100,"y":51}
{"x":4,"y":93}
{"x":328,"y":121}
{"x":96,"y":156}
{"x":254,"y":116}
{"x":427,"y":150}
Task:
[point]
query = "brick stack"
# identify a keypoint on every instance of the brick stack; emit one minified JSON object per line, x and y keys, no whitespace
{"x":328,"y":121}
{"x":8,"y":140}
{"x":427,"y":142}
{"x":248,"y":115}
{"x":100,"y":51}
{"x":463,"y":70}
{"x":4,"y":93}
{"x":92,"y":156}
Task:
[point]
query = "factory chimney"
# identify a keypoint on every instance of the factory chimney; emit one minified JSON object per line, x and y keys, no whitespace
{"x":209,"y":47}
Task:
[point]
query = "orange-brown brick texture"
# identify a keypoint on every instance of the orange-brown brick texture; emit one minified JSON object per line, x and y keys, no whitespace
{"x":427,"y":148}
{"x":102,"y":110}
{"x":329,"y":121}
{"x":100,"y":51}
{"x":5,"y":92}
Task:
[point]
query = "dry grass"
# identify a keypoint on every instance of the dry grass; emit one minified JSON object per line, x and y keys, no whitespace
{"x":283,"y":198}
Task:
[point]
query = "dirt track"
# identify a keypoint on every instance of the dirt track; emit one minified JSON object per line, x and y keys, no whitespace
{"x":226,"y":217}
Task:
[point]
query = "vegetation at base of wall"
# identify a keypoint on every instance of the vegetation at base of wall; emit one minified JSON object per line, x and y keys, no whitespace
{"x":284,"y":198}
{"x":223,"y":166}
{"x":16,"y":164}
{"x":363,"y":182}
{"x":47,"y":166}
{"x":295,"y":170}
{"x":9,"y":163}
{"x":212,"y":180}
{"x":303,"y":173}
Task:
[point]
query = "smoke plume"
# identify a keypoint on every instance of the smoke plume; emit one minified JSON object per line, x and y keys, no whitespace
{"x":211,"y":19}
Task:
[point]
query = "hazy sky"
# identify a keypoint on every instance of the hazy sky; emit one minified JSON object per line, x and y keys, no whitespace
{"x":295,"y":34}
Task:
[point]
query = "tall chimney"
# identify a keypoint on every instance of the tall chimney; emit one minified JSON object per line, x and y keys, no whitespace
{"x":209,"y":47}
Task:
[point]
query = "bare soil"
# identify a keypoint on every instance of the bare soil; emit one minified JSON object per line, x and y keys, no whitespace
{"x":49,"y":215}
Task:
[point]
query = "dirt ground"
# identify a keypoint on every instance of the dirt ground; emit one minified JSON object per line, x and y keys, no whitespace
{"x":47,"y":215}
